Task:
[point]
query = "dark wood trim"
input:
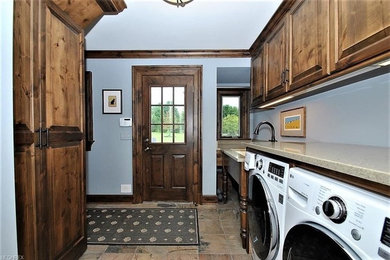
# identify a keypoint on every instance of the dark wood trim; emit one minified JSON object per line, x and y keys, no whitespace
{"x":376,"y":187}
{"x":138,"y":175}
{"x":155,"y":54}
{"x":110,"y":198}
{"x":244,"y":94}
{"x":209,"y":199}
{"x":88,"y":111}
{"x":111,"y":6}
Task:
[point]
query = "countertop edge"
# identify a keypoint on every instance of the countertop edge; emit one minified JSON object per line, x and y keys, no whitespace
{"x":356,"y":171}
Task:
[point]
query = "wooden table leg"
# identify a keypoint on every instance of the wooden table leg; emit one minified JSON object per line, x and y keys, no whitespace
{"x":224,"y":185}
{"x":244,"y":207}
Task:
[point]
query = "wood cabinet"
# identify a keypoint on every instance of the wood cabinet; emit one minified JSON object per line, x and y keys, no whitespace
{"x":49,"y":132}
{"x":257,"y":77}
{"x":359,"y":30}
{"x":276,"y":61}
{"x":308,"y":42}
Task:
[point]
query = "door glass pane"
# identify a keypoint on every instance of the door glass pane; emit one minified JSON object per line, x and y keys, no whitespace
{"x":155,"y":114}
{"x":179,"y":115}
{"x":179,"y":134}
{"x":155,"y":133}
{"x":167,"y":133}
{"x":167,"y":95}
{"x":179,"y":95}
{"x":230,"y":116}
{"x":167,"y":115}
{"x":155,"y":95}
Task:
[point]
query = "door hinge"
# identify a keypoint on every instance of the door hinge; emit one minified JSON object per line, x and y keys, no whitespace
{"x":43,"y":138}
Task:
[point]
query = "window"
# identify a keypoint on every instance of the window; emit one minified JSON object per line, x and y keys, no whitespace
{"x":167,"y":114}
{"x":233,"y":114}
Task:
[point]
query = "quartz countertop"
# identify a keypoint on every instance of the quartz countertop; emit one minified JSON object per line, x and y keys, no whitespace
{"x":366,"y":162}
{"x":235,"y":149}
{"x":237,"y":155}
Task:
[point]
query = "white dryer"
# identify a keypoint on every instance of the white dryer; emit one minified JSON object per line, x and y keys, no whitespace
{"x":266,"y":207}
{"x":328,"y":219}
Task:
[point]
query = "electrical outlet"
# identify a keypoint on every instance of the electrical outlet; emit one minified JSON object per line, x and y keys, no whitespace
{"x":125,"y":188}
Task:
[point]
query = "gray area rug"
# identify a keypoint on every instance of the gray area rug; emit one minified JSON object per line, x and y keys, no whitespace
{"x":140,"y":226}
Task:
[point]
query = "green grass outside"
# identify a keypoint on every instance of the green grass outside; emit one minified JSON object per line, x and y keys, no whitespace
{"x":156,"y":138}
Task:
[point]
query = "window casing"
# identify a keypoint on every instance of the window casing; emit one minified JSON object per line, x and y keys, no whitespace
{"x":230,"y":104}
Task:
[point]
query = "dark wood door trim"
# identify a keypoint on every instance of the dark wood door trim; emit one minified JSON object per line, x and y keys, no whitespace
{"x":138,"y":175}
{"x":154,"y":54}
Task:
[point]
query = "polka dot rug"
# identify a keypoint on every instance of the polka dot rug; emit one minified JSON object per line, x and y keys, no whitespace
{"x":153,"y":226}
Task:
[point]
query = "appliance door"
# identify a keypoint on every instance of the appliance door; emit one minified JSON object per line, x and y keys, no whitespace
{"x":263,"y":221}
{"x":311,"y":241}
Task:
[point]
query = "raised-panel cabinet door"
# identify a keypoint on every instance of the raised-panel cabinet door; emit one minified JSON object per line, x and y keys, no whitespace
{"x":276,"y":61}
{"x":308,"y":42}
{"x":257,"y":78}
{"x":361,"y":30}
{"x":26,"y":103}
{"x":64,"y":117}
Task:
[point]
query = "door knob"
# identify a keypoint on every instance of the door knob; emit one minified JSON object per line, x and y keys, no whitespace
{"x":147,"y":149}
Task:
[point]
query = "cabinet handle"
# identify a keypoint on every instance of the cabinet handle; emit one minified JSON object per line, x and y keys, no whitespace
{"x":286,"y":75}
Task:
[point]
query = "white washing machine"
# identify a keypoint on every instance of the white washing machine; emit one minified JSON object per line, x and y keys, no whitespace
{"x":328,"y":219}
{"x":266,"y":207}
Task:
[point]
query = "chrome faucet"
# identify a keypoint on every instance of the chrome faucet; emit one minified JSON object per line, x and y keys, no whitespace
{"x":257,"y":128}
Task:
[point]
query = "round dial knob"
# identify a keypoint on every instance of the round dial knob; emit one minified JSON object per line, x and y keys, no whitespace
{"x":259,"y":164}
{"x":334,"y":208}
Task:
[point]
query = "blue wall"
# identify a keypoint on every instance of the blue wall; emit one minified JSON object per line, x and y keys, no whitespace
{"x":109,"y":164}
{"x":357,"y":113}
{"x":8,"y":241}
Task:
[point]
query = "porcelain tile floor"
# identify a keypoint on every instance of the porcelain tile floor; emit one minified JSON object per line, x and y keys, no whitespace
{"x":219,"y":231}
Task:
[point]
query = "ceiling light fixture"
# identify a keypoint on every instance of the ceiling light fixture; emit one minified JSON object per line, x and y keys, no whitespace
{"x":178,"y":3}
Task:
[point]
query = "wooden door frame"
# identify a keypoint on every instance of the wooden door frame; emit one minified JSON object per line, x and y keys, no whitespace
{"x":183,"y":70}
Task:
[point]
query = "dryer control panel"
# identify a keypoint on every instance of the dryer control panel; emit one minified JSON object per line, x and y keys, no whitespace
{"x":355,"y":215}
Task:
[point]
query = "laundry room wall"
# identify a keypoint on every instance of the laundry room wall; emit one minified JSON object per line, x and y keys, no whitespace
{"x":357,"y":113}
{"x":109,"y":164}
{"x":8,"y":235}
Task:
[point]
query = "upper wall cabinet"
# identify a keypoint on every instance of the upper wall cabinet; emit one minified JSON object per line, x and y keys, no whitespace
{"x":308,"y":42}
{"x":257,"y":78}
{"x":360,"y":30}
{"x":276,"y":61}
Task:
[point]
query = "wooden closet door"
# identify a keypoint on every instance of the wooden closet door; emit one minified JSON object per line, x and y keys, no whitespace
{"x":26,"y":108}
{"x":64,"y":120}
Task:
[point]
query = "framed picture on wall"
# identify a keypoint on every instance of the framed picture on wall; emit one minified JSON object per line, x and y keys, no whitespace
{"x":112,"y":101}
{"x":293,"y":122}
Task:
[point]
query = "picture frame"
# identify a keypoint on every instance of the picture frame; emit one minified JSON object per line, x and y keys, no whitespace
{"x":112,"y":101}
{"x":293,"y":122}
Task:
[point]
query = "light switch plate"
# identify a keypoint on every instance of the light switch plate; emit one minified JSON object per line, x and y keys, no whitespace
{"x":125,"y":136}
{"x":125,"y":188}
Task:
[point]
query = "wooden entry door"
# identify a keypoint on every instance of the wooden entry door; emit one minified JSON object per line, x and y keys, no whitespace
{"x":49,"y":132}
{"x":166,"y":109}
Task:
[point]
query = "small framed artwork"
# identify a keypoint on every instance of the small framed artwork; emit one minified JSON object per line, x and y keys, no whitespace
{"x":293,"y":122}
{"x":112,"y":101}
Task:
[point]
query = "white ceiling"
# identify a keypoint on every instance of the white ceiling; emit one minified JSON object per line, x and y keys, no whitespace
{"x":202,"y":24}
